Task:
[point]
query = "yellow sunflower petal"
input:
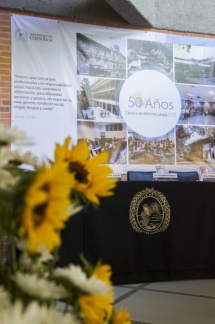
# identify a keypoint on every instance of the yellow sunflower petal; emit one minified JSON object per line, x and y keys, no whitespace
{"x":80,"y":152}
{"x":92,"y":197}
{"x":36,"y":197}
{"x":103,"y":272}
{"x":101,"y":158}
{"x":96,"y":308}
{"x":121,"y":317}
{"x":36,"y":239}
{"x":62,"y":152}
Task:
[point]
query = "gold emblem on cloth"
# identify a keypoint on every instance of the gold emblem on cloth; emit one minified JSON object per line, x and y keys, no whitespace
{"x":149,"y":212}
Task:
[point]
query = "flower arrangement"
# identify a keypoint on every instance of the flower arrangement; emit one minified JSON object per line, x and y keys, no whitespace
{"x":34,"y":207}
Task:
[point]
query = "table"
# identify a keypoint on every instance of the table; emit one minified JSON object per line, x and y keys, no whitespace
{"x":185,"y":249}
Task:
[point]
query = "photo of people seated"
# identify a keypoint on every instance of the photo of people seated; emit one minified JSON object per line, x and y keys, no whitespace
{"x":155,"y":151}
{"x":112,"y":139}
{"x":199,"y":113}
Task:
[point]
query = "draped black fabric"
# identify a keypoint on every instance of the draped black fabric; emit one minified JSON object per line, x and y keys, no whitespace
{"x":185,"y":250}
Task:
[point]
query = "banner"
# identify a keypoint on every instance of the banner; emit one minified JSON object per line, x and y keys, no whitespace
{"x":147,"y":98}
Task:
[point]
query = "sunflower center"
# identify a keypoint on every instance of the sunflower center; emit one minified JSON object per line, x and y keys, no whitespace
{"x":3,"y":143}
{"x":80,"y":171}
{"x":40,"y":210}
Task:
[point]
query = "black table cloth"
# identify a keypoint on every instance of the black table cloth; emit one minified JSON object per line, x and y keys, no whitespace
{"x":185,"y":249}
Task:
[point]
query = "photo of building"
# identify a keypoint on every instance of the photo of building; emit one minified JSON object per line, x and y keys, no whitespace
{"x":97,"y":99}
{"x":96,"y":59}
{"x":194,"y":64}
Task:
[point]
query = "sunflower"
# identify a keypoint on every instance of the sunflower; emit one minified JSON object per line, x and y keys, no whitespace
{"x":91,"y":177}
{"x":121,"y":317}
{"x":103,"y":272}
{"x":45,"y":207}
{"x":96,"y":308}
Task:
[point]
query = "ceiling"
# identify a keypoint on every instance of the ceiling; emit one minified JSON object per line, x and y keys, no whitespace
{"x":188,"y":16}
{"x":197,"y":93}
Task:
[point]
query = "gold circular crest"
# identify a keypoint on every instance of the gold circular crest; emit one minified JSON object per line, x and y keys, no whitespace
{"x":149,"y":212}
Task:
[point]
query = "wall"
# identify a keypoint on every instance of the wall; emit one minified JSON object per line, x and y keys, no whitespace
{"x":5,"y":68}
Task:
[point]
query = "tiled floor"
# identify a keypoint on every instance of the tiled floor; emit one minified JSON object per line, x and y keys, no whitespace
{"x":176,"y":302}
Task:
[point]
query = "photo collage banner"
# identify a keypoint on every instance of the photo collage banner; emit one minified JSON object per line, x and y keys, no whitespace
{"x":147,"y":98}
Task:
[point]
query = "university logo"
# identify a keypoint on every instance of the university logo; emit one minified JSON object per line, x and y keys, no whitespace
{"x":21,"y":35}
{"x":149,"y":212}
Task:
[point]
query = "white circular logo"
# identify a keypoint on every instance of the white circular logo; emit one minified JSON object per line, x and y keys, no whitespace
{"x":21,"y":35}
{"x":150,"y":103}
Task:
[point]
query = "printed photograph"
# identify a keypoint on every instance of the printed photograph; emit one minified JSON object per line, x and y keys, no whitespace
{"x":196,"y":145}
{"x":149,"y":55}
{"x":198,"y":104}
{"x":151,"y":150}
{"x":101,"y":57}
{"x":194,"y":64}
{"x":108,"y":137}
{"x":97,"y":100}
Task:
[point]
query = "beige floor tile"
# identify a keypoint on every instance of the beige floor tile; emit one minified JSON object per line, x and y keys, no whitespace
{"x":169,"y":308}
{"x":193,"y":287}
{"x":121,"y":291}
